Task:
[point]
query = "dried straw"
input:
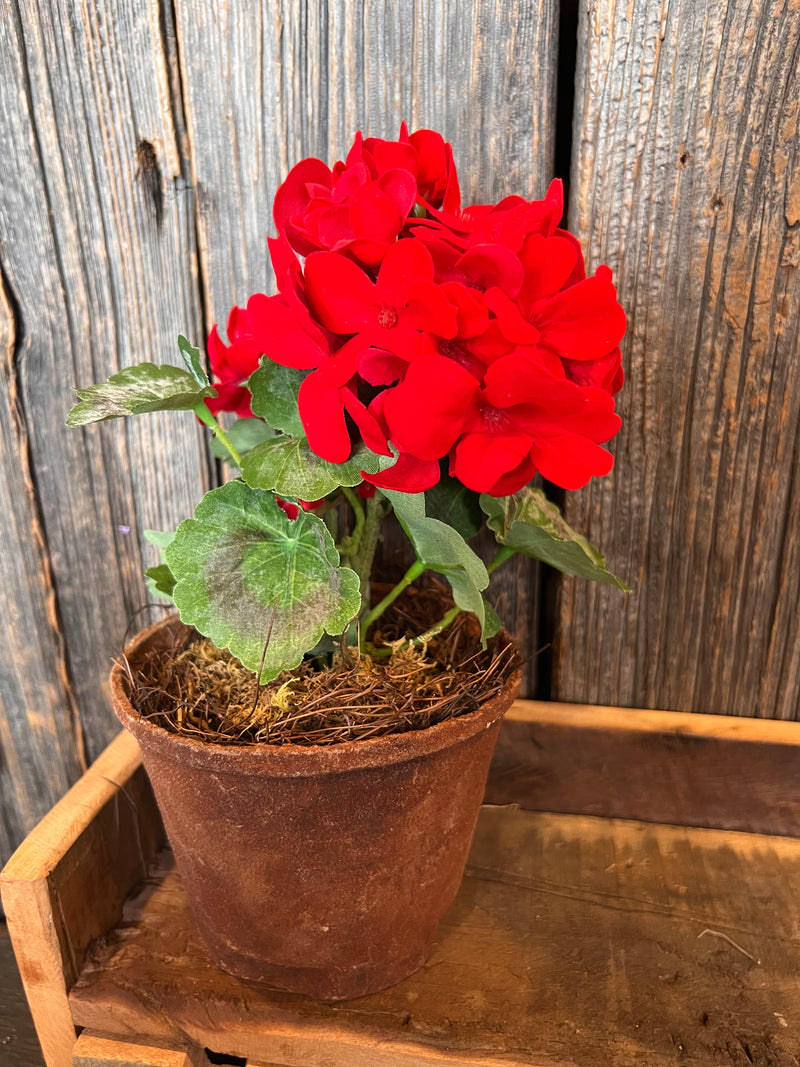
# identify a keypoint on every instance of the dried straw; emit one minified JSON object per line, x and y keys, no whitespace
{"x":201,"y":691}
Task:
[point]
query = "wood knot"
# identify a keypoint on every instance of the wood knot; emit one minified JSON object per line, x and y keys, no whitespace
{"x":148,"y":175}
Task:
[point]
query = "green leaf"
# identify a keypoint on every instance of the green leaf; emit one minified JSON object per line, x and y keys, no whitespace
{"x":134,"y":390}
{"x":246,"y":574}
{"x":160,"y":581}
{"x":452,"y":503}
{"x":442,"y":548}
{"x":275,"y":390}
{"x":529,"y":523}
{"x":289,"y":467}
{"x":493,"y":624}
{"x":244,"y":435}
{"x":194,"y":362}
{"x":159,"y":538}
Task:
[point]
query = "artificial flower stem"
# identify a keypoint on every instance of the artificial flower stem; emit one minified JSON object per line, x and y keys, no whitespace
{"x":205,"y":416}
{"x":350,"y":545}
{"x":503,"y":554}
{"x":361,"y":559}
{"x":437,"y":628}
{"x":416,"y":569}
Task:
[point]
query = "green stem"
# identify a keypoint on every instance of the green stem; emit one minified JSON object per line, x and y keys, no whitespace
{"x":361,"y":559}
{"x":415,"y":642}
{"x":414,"y":571}
{"x":351,"y":544}
{"x":205,"y":416}
{"x":503,"y":554}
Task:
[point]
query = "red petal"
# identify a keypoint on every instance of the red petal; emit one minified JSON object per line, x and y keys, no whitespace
{"x":489,"y":265}
{"x":548,"y":263}
{"x":426,"y":411}
{"x":569,"y":460}
{"x":230,"y":397}
{"x":405,"y":262}
{"x":509,"y":319}
{"x":372,"y":213}
{"x":429,"y":309}
{"x":334,"y":225}
{"x":284,"y":261}
{"x":604,"y":373}
{"x":379,"y":367}
{"x":400,"y":184}
{"x":339,"y":293}
{"x":322,"y":414}
{"x":292,"y":199}
{"x":279,"y":335}
{"x":584,"y":322}
{"x":408,"y":475}
{"x":471,"y":310}
{"x":371,"y":433}
{"x":480,"y":460}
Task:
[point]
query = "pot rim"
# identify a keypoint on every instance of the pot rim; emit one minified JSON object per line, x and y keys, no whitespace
{"x":290,"y":760}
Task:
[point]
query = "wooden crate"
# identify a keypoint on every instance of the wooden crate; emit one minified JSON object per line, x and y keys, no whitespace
{"x":576,"y":939}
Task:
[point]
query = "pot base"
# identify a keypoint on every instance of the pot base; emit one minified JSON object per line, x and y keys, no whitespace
{"x":324,"y":984}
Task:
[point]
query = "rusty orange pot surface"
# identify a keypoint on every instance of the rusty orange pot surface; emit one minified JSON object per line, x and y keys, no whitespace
{"x":321,"y":870}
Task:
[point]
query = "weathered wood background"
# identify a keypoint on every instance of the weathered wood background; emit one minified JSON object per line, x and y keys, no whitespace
{"x":685,"y":179}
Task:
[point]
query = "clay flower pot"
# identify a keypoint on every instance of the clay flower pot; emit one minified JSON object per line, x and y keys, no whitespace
{"x":321,"y":870}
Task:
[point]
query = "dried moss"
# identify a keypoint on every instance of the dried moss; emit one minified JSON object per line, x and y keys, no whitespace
{"x":202,"y":691}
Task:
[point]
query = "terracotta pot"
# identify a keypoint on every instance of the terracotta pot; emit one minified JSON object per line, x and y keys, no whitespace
{"x":320,"y":870}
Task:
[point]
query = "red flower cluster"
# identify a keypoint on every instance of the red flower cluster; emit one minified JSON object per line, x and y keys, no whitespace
{"x":436,"y":332}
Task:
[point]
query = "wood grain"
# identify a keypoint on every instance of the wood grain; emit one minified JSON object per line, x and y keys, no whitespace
{"x":17,"y":1034}
{"x":99,"y":268}
{"x":65,"y":885}
{"x":296,"y":78}
{"x":686,"y":179}
{"x":95,"y":1050}
{"x":727,"y":772}
{"x":40,"y":737}
{"x":574,"y":941}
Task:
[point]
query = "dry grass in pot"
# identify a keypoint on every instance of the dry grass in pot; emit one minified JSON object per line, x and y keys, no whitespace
{"x":201,"y":691}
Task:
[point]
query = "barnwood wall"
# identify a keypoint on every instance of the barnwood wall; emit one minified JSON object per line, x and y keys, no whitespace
{"x":143,"y":142}
{"x":686,"y":178}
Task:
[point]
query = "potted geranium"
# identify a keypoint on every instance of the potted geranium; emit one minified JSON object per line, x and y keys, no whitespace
{"x":420,"y":363}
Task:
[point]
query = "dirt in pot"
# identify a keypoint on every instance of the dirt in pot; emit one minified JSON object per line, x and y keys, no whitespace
{"x":201,"y":691}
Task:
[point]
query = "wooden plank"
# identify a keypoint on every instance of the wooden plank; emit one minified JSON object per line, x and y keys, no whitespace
{"x":719,"y":771}
{"x":96,"y":1050}
{"x":66,"y":884}
{"x":17,"y":1034}
{"x":39,"y":734}
{"x":686,"y":181}
{"x":300,"y":79}
{"x":100,"y":271}
{"x":573,"y":941}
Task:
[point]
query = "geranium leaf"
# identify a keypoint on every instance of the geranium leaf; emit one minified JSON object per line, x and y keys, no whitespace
{"x":244,"y":435}
{"x":160,"y":581}
{"x":275,"y":390}
{"x":159,"y":538}
{"x":289,"y":467}
{"x":494,"y":623}
{"x":529,"y":523}
{"x":248,"y":576}
{"x":134,"y":390}
{"x":442,"y":549}
{"x":194,"y":362}
{"x":452,"y":503}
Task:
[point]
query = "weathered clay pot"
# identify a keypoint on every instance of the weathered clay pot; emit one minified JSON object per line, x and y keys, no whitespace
{"x":320,"y":870}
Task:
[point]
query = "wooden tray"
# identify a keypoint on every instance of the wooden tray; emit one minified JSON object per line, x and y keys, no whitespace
{"x":575,"y":940}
